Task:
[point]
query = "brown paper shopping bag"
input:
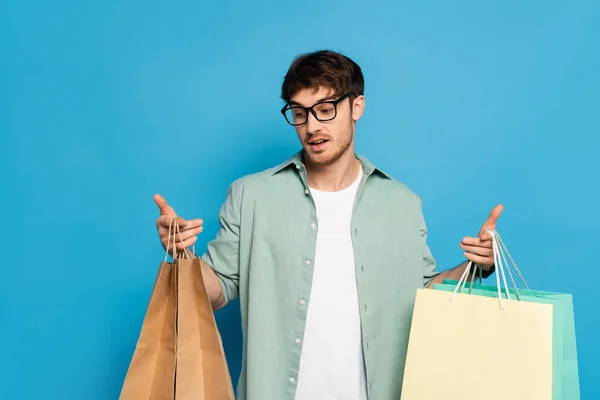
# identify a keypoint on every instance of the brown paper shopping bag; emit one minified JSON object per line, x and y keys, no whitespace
{"x":151,"y":373}
{"x":470,"y":347}
{"x":198,"y":369}
{"x":202,"y":372}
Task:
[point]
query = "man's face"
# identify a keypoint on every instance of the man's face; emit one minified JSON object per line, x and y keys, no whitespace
{"x":325,"y":142}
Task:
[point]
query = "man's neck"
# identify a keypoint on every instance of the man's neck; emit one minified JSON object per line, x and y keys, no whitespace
{"x":334,"y":177}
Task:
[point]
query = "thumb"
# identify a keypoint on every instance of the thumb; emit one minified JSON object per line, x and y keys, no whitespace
{"x":492,"y":220}
{"x":164,"y":208}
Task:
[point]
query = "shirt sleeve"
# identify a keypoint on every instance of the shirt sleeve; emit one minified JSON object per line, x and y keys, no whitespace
{"x":223,"y":252}
{"x":429,"y":264}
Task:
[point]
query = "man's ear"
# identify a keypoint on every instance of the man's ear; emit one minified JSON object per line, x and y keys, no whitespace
{"x":358,"y":107}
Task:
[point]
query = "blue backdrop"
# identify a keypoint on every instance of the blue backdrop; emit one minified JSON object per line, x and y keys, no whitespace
{"x":103,"y":104}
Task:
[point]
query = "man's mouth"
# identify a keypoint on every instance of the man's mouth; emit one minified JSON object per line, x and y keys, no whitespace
{"x":317,"y":141}
{"x":318,"y":145}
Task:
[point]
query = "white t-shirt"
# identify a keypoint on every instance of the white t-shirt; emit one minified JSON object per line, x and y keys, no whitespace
{"x":332,"y":362}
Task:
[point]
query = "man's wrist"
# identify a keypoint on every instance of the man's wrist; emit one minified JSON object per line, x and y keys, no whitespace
{"x":486,"y":273}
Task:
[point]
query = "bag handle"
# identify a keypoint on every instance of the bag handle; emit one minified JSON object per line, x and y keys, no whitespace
{"x":504,"y":249}
{"x":464,"y":277}
{"x":169,"y":236}
{"x":184,"y":251}
{"x":500,"y":259}
{"x":173,"y":233}
{"x":503,"y":254}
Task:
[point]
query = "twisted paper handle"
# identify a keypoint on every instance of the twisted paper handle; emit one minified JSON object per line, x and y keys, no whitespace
{"x":173,"y":233}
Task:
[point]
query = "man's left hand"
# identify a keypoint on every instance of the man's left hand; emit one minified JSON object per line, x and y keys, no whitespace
{"x":479,"y":249}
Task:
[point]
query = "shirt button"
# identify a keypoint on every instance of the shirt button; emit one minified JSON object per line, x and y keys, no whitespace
{"x":297,"y":166}
{"x":302,"y":302}
{"x":307,"y":262}
{"x":297,"y":341}
{"x":292,"y":380}
{"x":313,"y":226}
{"x":306,"y":191}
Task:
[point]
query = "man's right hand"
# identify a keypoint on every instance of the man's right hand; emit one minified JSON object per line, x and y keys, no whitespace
{"x":188,"y":229}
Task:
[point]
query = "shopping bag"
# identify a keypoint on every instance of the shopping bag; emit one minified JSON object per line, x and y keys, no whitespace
{"x":450,"y":332}
{"x":565,"y":376}
{"x":195,"y":366}
{"x":151,"y":372}
{"x":202,"y":372}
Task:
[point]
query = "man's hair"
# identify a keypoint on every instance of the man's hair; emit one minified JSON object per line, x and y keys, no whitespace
{"x":324,"y":68}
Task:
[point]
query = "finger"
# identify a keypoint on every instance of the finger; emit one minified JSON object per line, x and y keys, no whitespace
{"x":481,"y":260}
{"x":482,"y":251}
{"x":186,"y":243}
{"x":165,"y":209}
{"x":191,"y":224}
{"x":492,"y":219}
{"x":182,"y":236}
{"x":485,"y":236}
{"x":495,"y":214}
{"x":164,"y":224}
{"x":473,"y":241}
{"x":165,"y":221}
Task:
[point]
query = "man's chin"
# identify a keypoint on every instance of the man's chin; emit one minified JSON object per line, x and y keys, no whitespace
{"x":321,"y":158}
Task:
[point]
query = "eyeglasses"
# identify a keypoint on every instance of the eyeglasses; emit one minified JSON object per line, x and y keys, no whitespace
{"x":322,"y":111}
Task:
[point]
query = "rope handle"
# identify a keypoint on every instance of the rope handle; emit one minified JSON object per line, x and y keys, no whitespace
{"x":502,"y":259}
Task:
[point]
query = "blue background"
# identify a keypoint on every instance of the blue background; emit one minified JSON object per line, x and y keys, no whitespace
{"x":103,"y":104}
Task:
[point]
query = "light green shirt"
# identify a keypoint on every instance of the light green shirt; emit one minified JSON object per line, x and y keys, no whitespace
{"x":264,"y":253}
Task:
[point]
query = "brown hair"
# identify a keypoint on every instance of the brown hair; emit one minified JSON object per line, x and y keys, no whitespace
{"x":324,"y":68}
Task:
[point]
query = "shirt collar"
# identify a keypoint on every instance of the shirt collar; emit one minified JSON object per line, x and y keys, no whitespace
{"x":296,"y":160}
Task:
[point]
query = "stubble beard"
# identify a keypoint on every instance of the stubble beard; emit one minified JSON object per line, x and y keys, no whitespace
{"x":340,"y":146}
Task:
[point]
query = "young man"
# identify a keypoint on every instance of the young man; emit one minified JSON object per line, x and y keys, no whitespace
{"x":325,"y":252}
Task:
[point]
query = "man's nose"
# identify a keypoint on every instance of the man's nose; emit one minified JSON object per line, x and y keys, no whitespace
{"x":312,"y":123}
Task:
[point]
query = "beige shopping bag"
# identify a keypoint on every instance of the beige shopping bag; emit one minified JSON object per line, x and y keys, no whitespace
{"x":469,"y":347}
{"x":194,"y":366}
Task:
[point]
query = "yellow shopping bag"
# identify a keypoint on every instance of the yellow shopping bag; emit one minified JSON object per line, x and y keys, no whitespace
{"x":469,"y":347}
